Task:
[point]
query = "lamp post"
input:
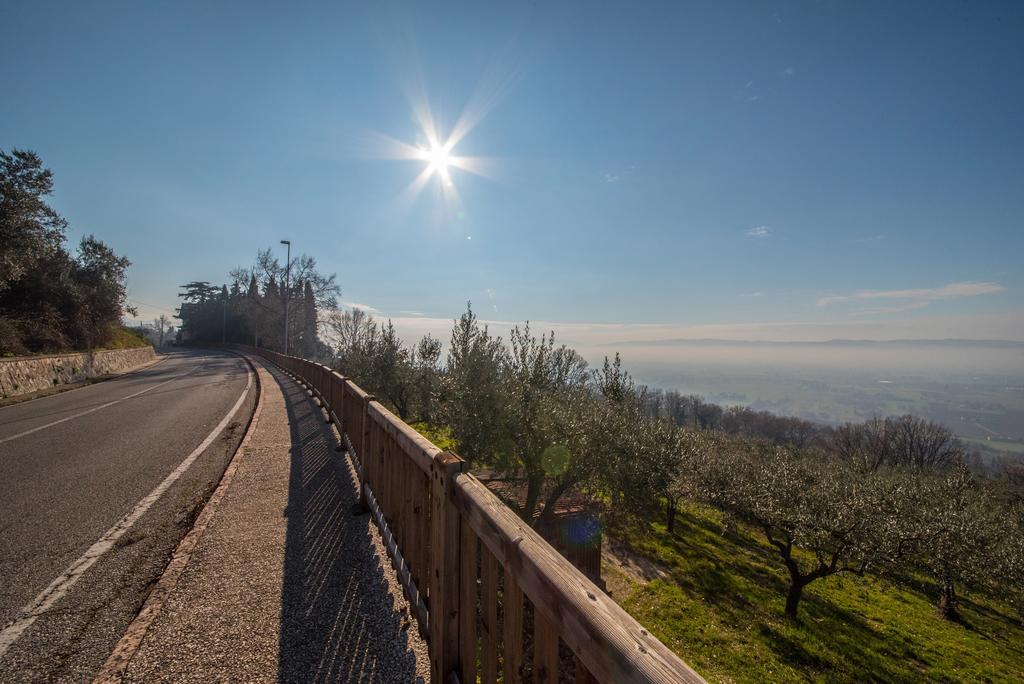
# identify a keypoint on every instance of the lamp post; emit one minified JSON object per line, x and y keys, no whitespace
{"x":287,"y":291}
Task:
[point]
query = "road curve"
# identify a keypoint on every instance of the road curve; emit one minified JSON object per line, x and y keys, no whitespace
{"x":74,"y":465}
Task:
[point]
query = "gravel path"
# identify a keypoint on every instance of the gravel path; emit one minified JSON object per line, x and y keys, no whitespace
{"x":286,"y":584}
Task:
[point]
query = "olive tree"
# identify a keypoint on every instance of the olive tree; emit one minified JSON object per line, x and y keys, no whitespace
{"x":967,"y":535}
{"x":693,"y":450}
{"x":475,"y":399}
{"x":538,"y":378}
{"x":820,"y":518}
{"x":426,"y":377}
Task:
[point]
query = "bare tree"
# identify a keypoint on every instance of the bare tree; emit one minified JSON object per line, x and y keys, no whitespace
{"x":922,"y":444}
{"x":903,"y":441}
{"x":161,"y":324}
{"x":864,"y":446}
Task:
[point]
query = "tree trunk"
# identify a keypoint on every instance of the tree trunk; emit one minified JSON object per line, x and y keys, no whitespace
{"x":796,"y":590}
{"x":534,"y":482}
{"x":947,"y":601}
{"x":670,"y":515}
{"x":547,"y":516}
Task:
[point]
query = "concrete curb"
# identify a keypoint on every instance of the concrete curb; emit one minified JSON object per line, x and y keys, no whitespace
{"x":114,"y":668}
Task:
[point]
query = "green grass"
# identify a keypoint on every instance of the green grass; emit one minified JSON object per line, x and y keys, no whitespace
{"x":440,"y":435}
{"x":720,"y":608}
{"x":125,"y":338}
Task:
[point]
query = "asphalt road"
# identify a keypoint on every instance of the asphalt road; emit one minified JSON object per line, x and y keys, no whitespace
{"x":74,"y":465}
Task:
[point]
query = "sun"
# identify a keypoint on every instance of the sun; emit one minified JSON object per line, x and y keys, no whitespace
{"x":437,"y":158}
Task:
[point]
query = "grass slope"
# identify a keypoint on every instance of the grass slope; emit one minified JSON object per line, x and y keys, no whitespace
{"x":125,"y":338}
{"x":719,"y":606}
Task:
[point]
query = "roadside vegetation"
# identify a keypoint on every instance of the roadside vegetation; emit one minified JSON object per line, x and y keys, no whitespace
{"x":786,"y":549}
{"x":876,"y":550}
{"x":251,"y":308}
{"x":714,"y":593}
{"x":52,"y":299}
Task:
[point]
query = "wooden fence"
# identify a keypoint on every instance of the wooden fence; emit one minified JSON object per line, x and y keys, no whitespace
{"x":466,"y":562}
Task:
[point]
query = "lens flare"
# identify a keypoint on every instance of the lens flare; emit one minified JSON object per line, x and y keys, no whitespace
{"x":437,"y":158}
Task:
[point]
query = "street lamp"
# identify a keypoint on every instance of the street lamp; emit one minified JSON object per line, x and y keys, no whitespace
{"x":287,"y":291}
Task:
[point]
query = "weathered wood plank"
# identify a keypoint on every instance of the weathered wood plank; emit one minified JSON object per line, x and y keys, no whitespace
{"x":583,"y":675}
{"x":612,"y":645}
{"x":512,"y":630}
{"x":420,"y":449}
{"x":545,"y":649}
{"x":444,"y":568}
{"x":467,"y":603}
{"x":489,"y":617}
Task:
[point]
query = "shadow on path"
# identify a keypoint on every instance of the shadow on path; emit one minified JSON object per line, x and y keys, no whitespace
{"x":339,"y":623}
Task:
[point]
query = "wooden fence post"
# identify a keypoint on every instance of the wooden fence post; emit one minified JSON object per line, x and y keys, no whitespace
{"x":362,"y":450}
{"x":444,"y":568}
{"x":344,"y":424}
{"x":331,"y":383}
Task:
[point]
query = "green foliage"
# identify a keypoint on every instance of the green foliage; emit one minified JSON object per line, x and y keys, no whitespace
{"x":50,"y":299}
{"x":719,"y":606}
{"x":242,"y":313}
{"x":439,"y":435}
{"x":532,"y":408}
{"x":965,"y":535}
{"x":30,"y":230}
{"x":475,"y":398}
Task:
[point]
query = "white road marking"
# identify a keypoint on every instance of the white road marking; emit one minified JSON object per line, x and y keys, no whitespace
{"x":96,"y":408}
{"x":67,"y":579}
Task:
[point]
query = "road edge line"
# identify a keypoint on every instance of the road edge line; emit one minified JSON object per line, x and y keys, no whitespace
{"x":117,"y":662}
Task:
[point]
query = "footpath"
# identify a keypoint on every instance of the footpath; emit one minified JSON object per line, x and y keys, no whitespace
{"x":278,"y":581}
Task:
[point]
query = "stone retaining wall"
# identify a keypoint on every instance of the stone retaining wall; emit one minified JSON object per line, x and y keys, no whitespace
{"x":24,"y":374}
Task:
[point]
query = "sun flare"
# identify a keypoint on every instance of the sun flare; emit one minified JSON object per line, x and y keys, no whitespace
{"x":437,"y":158}
{"x":436,"y":152}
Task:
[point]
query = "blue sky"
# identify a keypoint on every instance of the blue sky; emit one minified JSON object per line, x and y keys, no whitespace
{"x":764,"y":171}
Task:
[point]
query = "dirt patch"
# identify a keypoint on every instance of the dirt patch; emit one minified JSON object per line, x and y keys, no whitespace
{"x":637,"y":566}
{"x":624,"y":570}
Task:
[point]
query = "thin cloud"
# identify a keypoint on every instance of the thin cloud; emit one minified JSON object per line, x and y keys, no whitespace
{"x":890,"y":309}
{"x":950,"y":291}
{"x":412,"y":313}
{"x":365,"y":307}
{"x":596,"y":339}
{"x":789,"y":71}
{"x":759,"y":232}
{"x":618,"y":174}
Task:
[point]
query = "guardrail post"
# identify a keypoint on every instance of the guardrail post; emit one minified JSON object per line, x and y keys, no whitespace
{"x":331,"y":383}
{"x":321,"y":386}
{"x":344,"y":422}
{"x":445,"y":540}
{"x":362,"y":455}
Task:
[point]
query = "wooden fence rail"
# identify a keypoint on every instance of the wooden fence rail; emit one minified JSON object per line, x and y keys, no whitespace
{"x":492,"y":598}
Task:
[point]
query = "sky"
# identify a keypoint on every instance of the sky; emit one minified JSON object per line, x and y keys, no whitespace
{"x":638,"y":171}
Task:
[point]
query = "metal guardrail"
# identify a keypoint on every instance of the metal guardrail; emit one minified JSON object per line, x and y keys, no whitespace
{"x":467,"y":562}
